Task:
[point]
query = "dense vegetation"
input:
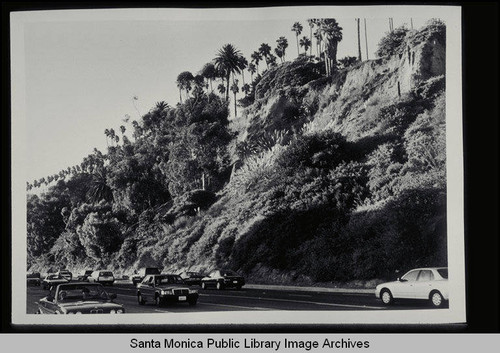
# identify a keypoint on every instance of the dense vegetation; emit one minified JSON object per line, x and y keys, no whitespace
{"x":276,"y":200}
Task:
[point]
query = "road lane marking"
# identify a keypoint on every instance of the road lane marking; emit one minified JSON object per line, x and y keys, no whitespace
{"x":239,"y":306}
{"x":162,"y":311}
{"x":305,"y":302}
{"x":300,"y":295}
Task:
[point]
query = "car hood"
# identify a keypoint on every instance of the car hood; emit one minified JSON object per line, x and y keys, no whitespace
{"x":90,"y":304}
{"x":172,"y":286}
{"x":387,"y":283}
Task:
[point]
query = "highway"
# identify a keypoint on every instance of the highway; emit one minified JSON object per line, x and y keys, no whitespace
{"x":212,"y":300}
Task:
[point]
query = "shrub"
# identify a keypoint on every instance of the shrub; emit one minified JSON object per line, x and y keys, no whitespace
{"x":392,"y":43}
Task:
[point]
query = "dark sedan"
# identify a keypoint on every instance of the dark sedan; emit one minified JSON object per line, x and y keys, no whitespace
{"x":164,"y":289}
{"x":192,"y":278}
{"x":79,"y":298}
{"x":222,"y":279}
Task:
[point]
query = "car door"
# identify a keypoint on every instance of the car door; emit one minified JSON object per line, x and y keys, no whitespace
{"x":48,"y":305}
{"x":406,"y":286}
{"x":423,"y":285}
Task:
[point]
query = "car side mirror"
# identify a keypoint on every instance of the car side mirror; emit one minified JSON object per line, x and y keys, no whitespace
{"x":112,"y":296}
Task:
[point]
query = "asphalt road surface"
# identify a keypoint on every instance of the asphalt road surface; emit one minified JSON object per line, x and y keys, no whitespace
{"x":212,"y":300}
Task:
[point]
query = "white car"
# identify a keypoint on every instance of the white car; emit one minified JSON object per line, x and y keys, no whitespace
{"x":421,"y":283}
{"x":101,"y":276}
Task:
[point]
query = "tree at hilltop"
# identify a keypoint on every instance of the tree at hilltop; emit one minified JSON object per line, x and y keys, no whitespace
{"x":228,"y":61}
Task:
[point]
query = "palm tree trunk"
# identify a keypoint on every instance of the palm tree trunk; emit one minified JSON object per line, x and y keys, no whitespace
{"x":180,"y":95}
{"x":297,"y":37}
{"x":311,"y":39}
{"x":235,"y":104}
{"x":227,"y":86}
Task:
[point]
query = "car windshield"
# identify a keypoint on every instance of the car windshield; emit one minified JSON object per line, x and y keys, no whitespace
{"x":159,"y":280}
{"x":81,"y":292}
{"x":106,"y":273}
{"x":443,"y":272}
{"x":88,"y":273}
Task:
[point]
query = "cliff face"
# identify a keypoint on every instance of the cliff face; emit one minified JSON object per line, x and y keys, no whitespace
{"x":351,"y":103}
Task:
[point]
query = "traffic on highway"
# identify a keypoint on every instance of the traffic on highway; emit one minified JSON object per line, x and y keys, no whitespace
{"x":160,"y":293}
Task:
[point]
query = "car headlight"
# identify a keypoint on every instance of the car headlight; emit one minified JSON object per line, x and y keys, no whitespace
{"x":193,"y":291}
{"x":112,"y":311}
{"x":119,"y":311}
{"x":166,"y":292}
{"x":71,"y":313}
{"x":78,"y":312}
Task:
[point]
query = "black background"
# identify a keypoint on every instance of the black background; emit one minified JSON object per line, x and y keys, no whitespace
{"x":480,"y":114}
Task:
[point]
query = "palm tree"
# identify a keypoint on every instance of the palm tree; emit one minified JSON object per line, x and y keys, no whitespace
{"x":235,"y":89}
{"x":282,"y":45}
{"x":311,"y":22}
{"x":279,"y":53}
{"x":243,"y":64}
{"x":210,"y":73}
{"x":265,"y":50}
{"x":122,"y":128}
{"x":297,"y":28}
{"x":256,"y":58}
{"x":246,"y":88}
{"x":331,"y":34}
{"x":106,"y":133}
{"x":221,"y":88}
{"x":228,"y":61}
{"x":252,"y":69}
{"x":317,"y":36}
{"x":306,"y":43}
{"x":184,"y":80}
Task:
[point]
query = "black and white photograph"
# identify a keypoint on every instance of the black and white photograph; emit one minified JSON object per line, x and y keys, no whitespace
{"x":291,"y":165}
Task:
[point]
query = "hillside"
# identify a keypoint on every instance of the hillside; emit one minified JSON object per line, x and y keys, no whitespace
{"x":319,"y":179}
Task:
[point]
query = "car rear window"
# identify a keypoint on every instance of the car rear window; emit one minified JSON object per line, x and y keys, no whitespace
{"x":443,"y":272}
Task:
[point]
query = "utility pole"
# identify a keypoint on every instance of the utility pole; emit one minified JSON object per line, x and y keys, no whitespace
{"x":366,"y":40}
{"x":411,"y":21}
{"x":359,"y":41}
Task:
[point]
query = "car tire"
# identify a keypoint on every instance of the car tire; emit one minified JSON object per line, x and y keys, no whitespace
{"x":238,"y":287}
{"x":436,"y":299}
{"x":140,"y":300}
{"x":386,"y":297}
{"x":203,"y":286}
{"x":220,"y":286}
{"x":158,"y":301}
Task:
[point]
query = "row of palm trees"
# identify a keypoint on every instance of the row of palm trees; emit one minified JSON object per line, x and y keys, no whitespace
{"x":229,"y":61}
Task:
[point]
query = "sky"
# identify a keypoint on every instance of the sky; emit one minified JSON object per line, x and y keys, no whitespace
{"x":82,"y":72}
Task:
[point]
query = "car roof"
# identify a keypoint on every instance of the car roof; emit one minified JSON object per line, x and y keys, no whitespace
{"x":74,"y":284}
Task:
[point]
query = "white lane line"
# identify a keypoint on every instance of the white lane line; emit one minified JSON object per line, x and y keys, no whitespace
{"x":239,"y":306}
{"x":304,"y":302}
{"x":300,"y":295}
